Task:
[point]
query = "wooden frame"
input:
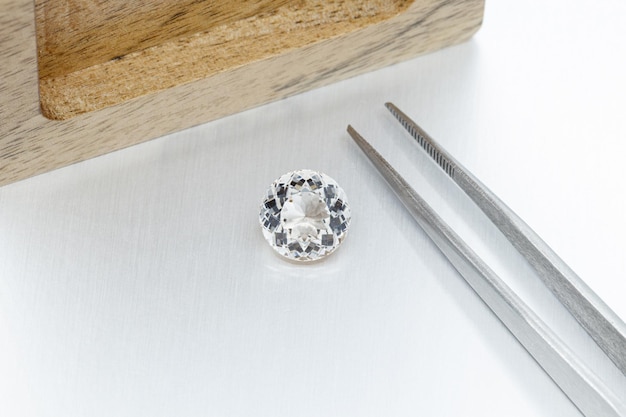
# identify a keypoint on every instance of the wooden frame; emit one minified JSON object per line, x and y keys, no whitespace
{"x":131,"y":108}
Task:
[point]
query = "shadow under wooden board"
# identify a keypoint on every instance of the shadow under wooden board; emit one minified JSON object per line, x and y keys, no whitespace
{"x":80,"y":78}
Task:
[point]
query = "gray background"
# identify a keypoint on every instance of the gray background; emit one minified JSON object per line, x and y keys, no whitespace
{"x":139,"y":283}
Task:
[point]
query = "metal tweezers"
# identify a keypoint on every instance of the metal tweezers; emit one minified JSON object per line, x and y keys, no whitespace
{"x":586,"y":391}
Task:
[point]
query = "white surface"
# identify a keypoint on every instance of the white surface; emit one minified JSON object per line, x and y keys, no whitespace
{"x":122,"y":293}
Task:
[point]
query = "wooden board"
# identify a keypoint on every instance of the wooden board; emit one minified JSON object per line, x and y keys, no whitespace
{"x":80,"y":78}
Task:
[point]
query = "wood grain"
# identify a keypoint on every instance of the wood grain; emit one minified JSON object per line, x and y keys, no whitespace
{"x":76,"y":78}
{"x":76,"y":34}
{"x":31,"y":144}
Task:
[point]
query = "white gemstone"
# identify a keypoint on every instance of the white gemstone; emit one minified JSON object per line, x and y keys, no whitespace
{"x":305,"y":215}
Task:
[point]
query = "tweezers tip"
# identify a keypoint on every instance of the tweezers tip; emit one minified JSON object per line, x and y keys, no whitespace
{"x":390,"y":106}
{"x":353,"y":133}
{"x":361,"y":142}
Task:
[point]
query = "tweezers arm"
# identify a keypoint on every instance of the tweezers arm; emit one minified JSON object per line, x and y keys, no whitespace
{"x":598,"y":320}
{"x":582,"y":387}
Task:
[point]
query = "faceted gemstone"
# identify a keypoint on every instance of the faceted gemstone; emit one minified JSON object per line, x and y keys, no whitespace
{"x":305,"y":215}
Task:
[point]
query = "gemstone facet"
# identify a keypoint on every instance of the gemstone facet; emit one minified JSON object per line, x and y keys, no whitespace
{"x":304,"y":215}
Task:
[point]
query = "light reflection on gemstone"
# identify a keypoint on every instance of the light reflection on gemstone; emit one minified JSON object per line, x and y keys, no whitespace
{"x":305,"y":215}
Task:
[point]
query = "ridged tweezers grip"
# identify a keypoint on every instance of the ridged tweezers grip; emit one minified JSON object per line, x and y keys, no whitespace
{"x":429,"y":146}
{"x":598,"y":320}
